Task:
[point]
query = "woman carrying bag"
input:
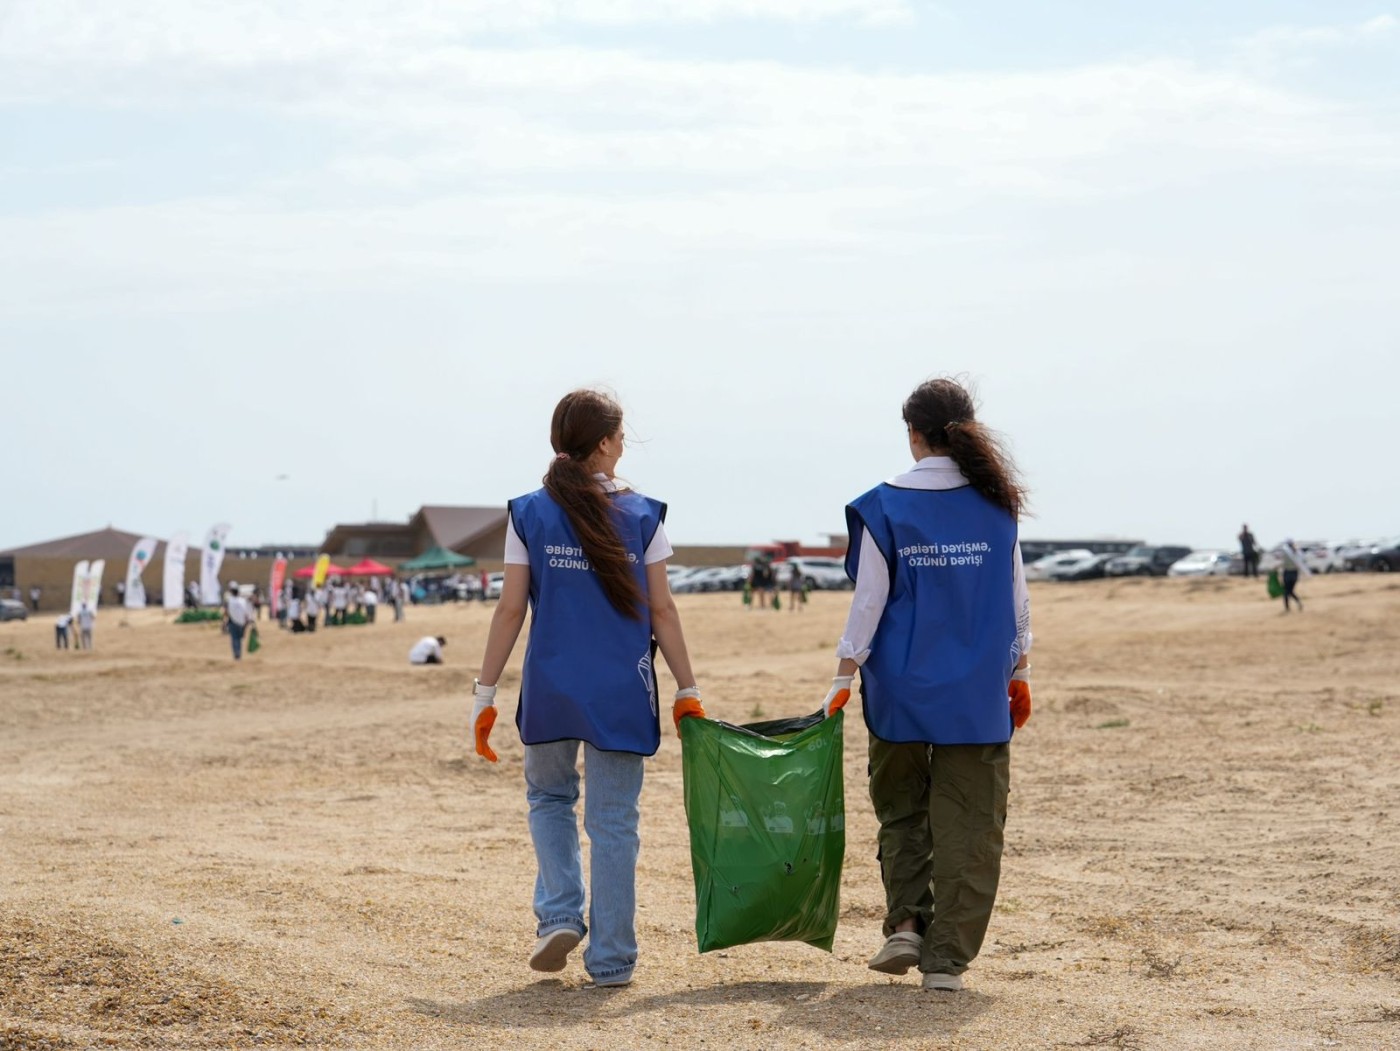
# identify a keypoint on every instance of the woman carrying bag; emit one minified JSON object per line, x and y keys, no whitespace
{"x":588,"y":557}
{"x":939,"y":629}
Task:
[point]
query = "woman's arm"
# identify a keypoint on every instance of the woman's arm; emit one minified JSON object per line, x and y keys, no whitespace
{"x":666,"y":625}
{"x":506,"y":622}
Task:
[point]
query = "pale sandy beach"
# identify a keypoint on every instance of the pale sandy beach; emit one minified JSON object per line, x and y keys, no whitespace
{"x":300,"y":850}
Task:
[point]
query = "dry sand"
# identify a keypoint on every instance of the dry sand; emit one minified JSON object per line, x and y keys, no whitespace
{"x":300,"y":850}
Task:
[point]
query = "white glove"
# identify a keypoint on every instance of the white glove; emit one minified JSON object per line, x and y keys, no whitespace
{"x":838,"y":695}
{"x":483,"y":718}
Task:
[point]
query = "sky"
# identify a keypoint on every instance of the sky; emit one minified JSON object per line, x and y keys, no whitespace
{"x":287,"y":264}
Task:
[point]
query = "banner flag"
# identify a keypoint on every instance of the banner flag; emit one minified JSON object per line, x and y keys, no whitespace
{"x":323,"y":566}
{"x":210,"y":594}
{"x":140,"y":558}
{"x":80,"y":572}
{"x":173,"y":588}
{"x":274,"y":587}
{"x":92,"y":584}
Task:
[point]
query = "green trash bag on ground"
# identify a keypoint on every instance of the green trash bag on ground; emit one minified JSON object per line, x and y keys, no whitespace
{"x":767,"y":813}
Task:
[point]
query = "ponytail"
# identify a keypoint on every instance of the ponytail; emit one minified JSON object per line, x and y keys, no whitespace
{"x":942,"y":411}
{"x":582,"y":419}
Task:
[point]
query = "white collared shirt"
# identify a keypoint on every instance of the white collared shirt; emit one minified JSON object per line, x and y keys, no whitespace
{"x":873,"y":577}
{"x":659,"y":550}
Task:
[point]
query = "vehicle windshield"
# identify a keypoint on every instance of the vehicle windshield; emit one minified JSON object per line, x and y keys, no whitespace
{"x":1139,"y":552}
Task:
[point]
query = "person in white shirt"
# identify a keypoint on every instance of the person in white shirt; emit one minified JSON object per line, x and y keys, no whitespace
{"x":427,"y":650}
{"x":238,"y":614}
{"x":60,"y":631}
{"x":313,"y":608}
{"x":86,"y":619}
{"x":340,"y":599}
{"x":370,"y":601}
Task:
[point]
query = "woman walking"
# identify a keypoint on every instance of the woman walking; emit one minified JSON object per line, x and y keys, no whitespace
{"x":939,"y":628}
{"x":588,"y":557}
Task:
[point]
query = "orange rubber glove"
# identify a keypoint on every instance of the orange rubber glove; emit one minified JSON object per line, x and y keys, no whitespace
{"x":838,"y":695}
{"x":483,"y":718}
{"x":1020,"y":693}
{"x":687,"y":704}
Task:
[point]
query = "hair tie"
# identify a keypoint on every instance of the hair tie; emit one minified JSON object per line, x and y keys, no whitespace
{"x":951,"y":424}
{"x":562,"y":456}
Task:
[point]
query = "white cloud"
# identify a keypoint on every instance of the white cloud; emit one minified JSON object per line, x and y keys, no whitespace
{"x":1282,"y":47}
{"x":135,"y":31}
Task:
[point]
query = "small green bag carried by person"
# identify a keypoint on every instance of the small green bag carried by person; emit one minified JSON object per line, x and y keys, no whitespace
{"x":1275,"y":587}
{"x":767,"y":814}
{"x":254,"y":643}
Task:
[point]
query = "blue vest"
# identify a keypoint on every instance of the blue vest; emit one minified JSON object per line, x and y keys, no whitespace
{"x":588,"y":668}
{"x":945,"y":647}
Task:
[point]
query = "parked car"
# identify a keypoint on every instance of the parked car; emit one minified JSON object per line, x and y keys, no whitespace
{"x":1041,"y":568}
{"x":712,"y":578}
{"x":494,"y":582}
{"x":12,"y":610}
{"x":1354,"y":554}
{"x":1204,"y":563}
{"x":1146,"y":560}
{"x":1381,"y":557}
{"x":1090,"y":568}
{"x":819,"y":572}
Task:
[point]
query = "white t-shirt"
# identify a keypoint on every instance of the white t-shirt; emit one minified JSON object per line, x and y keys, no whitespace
{"x":370,"y":598}
{"x":86,"y":618}
{"x":424,"y":648}
{"x":659,"y":550}
{"x":239,"y":610}
{"x":339,"y":595}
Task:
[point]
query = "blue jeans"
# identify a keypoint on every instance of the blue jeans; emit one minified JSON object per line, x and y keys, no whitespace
{"x":610,"y":815}
{"x":235,"y":636}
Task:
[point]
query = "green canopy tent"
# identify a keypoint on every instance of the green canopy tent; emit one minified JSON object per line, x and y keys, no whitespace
{"x":436,"y":558}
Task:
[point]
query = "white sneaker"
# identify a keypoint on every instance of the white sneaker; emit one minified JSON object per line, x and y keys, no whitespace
{"x":945,"y":983}
{"x":552,"y":950}
{"x":899,"y":953}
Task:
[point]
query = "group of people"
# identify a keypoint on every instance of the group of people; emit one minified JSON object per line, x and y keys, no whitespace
{"x":938,"y":631}
{"x":761,"y":588}
{"x":79,"y":623}
{"x":339,"y":600}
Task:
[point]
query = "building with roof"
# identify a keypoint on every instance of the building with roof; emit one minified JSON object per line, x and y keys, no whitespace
{"x":476,"y":531}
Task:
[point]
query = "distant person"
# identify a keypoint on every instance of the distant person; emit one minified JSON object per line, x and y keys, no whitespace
{"x":585,"y":556}
{"x":34,"y":593}
{"x":941,"y":640}
{"x":60,"y":630}
{"x":427,"y":650}
{"x":121,"y":592}
{"x":86,"y":619}
{"x":1290,"y":565}
{"x":1249,"y":549}
{"x":340,"y":602}
{"x":238,"y":614}
{"x":370,"y":601}
{"x":758,"y":584}
{"x":796,"y":593}
{"x":311,"y":607}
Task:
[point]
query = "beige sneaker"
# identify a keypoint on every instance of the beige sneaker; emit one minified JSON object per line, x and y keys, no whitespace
{"x":944,"y":983}
{"x":552,"y":950}
{"x":899,"y":953}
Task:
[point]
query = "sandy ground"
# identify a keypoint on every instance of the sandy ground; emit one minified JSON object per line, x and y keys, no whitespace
{"x":299,"y":850}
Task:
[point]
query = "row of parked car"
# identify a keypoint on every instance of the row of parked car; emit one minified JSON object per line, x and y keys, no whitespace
{"x":1174,"y":560}
{"x":819,"y":573}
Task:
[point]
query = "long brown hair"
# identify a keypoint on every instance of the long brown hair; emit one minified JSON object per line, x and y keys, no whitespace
{"x":943,"y":412}
{"x":582,"y":419}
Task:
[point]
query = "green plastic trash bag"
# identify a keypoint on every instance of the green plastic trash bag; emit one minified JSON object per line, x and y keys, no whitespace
{"x":1275,"y":586}
{"x":767,"y":813}
{"x":254,"y":643}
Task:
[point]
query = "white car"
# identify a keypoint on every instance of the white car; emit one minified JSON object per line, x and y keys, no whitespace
{"x":494,"y":583}
{"x":1040,"y":569}
{"x":819,"y":572}
{"x":1207,"y":563}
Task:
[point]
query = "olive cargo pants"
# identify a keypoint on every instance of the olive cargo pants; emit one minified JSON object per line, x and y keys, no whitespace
{"x":942,"y":814}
